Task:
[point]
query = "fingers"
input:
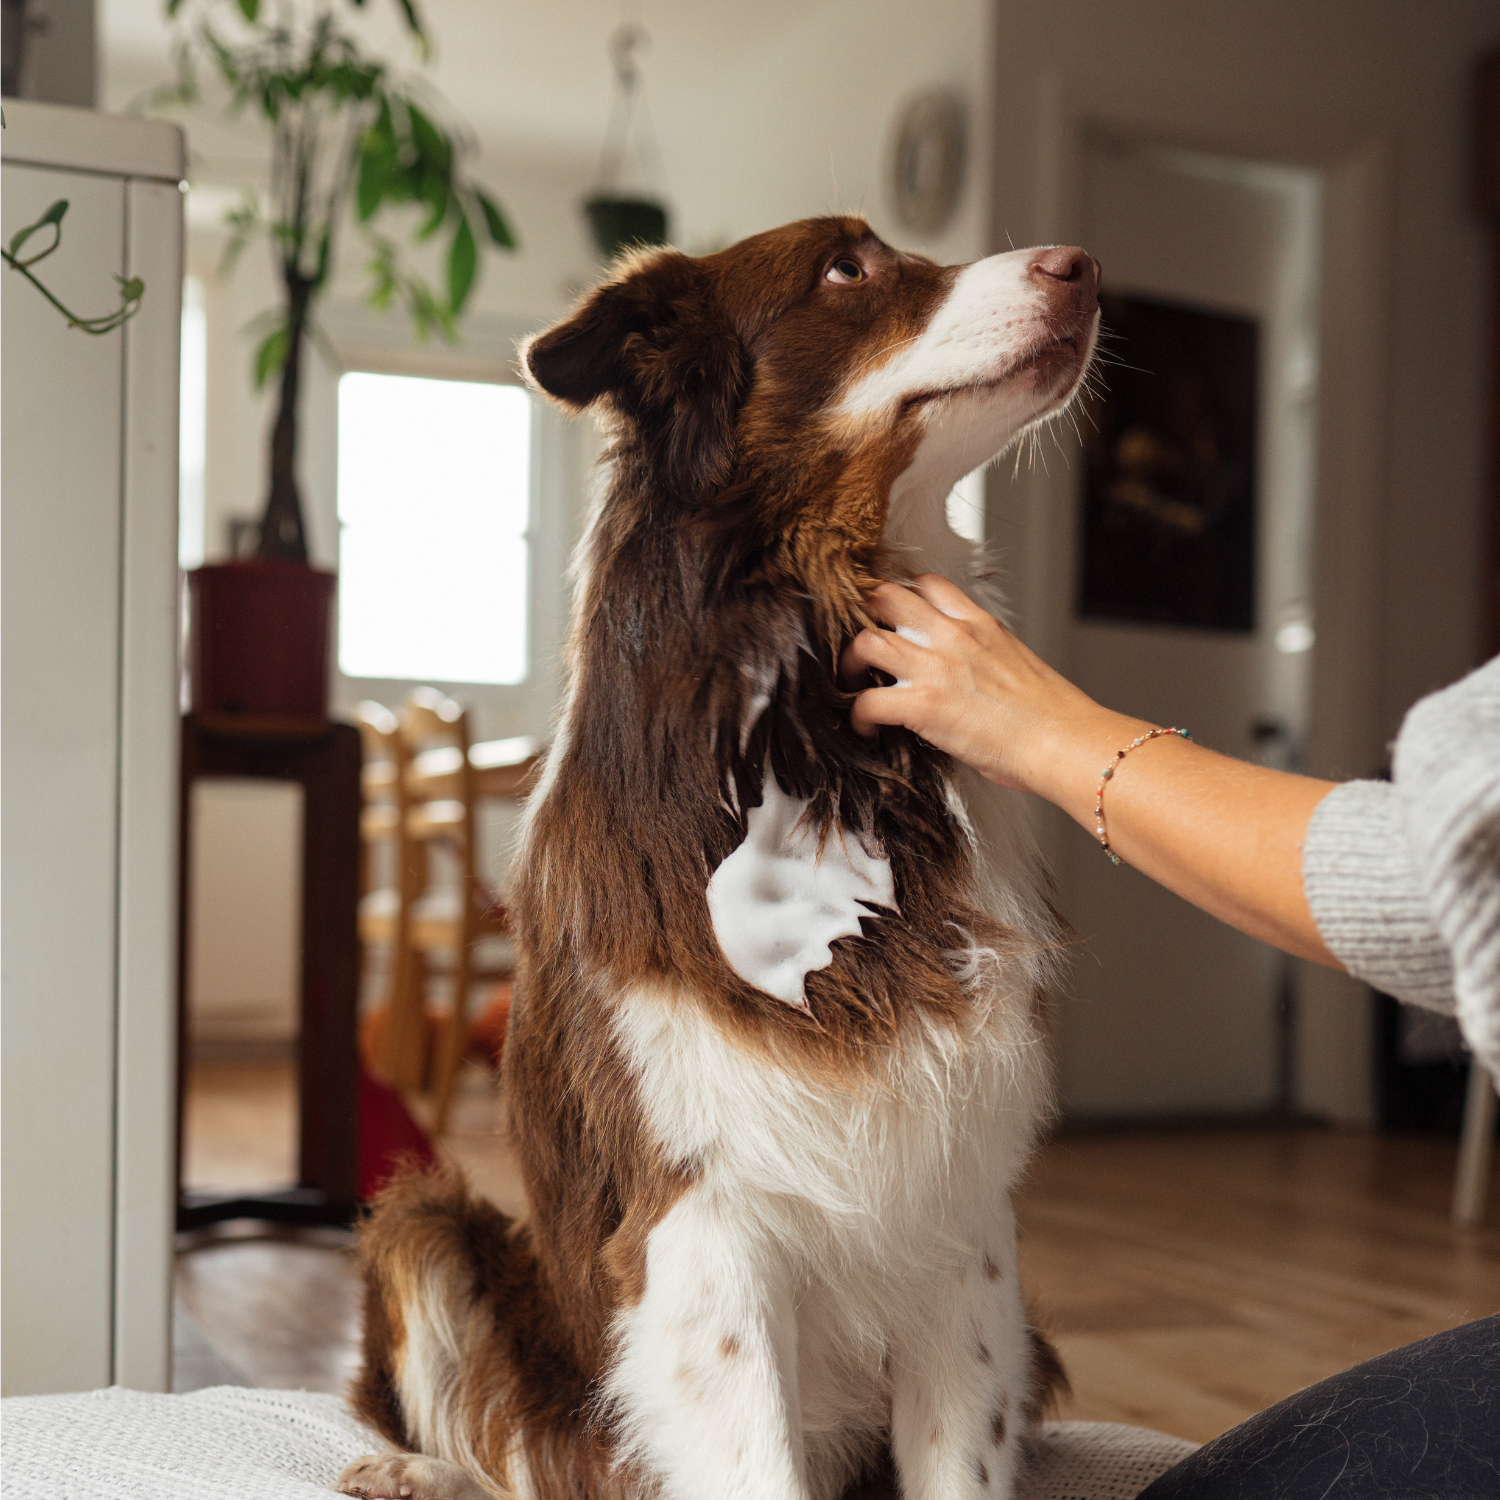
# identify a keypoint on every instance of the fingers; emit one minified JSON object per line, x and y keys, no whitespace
{"x":933,"y":624}
{"x":877,"y":706}
{"x":881,"y":649}
{"x":947,"y":598}
{"x":926,"y":603}
{"x":896,"y":605}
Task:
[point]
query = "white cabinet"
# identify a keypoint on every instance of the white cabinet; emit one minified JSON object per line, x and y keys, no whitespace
{"x":88,"y":847}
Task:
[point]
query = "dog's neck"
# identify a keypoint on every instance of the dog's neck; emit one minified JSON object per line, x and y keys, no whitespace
{"x":704,"y":669}
{"x":716,"y":628}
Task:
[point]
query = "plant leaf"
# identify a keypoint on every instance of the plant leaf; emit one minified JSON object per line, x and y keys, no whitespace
{"x":463,"y":262}
{"x":379,"y":158}
{"x":382,"y":269}
{"x":414,"y":23}
{"x":250,"y":10}
{"x":271,"y":355}
{"x":494,"y":221}
{"x":433,"y":145}
{"x":434,"y":192}
{"x":53,"y":216}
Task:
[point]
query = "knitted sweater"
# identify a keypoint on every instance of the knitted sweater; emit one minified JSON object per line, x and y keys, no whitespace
{"x":1403,"y":877}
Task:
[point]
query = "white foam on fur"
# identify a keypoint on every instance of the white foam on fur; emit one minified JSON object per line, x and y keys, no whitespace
{"x":779,"y":903}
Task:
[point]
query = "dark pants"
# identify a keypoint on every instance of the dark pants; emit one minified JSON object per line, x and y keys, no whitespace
{"x":1419,"y":1423}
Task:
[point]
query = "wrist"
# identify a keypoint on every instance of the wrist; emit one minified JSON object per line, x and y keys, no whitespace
{"x":1071,"y":756}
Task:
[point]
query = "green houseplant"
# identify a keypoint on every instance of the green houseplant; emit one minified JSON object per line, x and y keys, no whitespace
{"x":354,"y":148}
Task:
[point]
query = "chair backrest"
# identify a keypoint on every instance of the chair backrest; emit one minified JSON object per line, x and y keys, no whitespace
{"x":377,"y":727}
{"x":432,"y":718}
{"x":382,"y":788}
{"x":434,"y":730}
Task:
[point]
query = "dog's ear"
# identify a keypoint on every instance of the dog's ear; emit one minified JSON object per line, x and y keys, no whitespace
{"x":656,"y":343}
{"x":580,"y":359}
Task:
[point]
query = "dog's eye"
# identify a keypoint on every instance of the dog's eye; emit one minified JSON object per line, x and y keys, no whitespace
{"x":845,"y":270}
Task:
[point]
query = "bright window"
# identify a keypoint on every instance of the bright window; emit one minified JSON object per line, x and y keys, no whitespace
{"x":434,"y":497}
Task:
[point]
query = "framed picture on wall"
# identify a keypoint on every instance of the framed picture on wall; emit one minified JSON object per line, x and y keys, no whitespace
{"x":1169,"y":484}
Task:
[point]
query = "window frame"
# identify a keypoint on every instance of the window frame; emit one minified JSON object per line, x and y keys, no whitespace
{"x":363,"y":341}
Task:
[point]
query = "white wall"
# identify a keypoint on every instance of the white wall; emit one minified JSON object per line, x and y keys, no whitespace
{"x":1316,"y":85}
{"x":1374,"y":98}
{"x":781,"y":109}
{"x":244,"y":933}
{"x":801,"y":124}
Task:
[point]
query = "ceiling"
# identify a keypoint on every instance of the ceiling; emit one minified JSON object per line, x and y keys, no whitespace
{"x":524,"y":71}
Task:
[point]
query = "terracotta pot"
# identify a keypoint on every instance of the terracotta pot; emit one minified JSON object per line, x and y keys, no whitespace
{"x":258,"y":637}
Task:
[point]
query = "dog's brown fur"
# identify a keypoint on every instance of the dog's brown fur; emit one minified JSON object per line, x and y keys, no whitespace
{"x":737,"y":541}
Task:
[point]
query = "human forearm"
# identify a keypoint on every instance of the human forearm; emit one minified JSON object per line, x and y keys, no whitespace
{"x":1223,"y":834}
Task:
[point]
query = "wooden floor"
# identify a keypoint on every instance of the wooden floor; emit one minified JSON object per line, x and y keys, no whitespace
{"x":1193,"y":1279}
{"x":1189,"y":1278}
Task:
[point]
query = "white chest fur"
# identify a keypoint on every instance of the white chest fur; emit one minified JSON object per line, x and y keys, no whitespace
{"x":843,"y":1263}
{"x":779,"y":902}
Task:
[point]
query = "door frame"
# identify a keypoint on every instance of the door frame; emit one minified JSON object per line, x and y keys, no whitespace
{"x":1333,"y":1052}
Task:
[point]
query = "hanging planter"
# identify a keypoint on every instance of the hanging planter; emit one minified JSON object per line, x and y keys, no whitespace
{"x":620,"y":218}
{"x":619,"y":223}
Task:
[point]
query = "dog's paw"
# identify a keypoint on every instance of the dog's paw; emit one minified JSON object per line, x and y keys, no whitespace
{"x":409,"y":1476}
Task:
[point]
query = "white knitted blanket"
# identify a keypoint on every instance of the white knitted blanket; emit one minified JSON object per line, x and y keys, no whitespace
{"x":232,"y":1443}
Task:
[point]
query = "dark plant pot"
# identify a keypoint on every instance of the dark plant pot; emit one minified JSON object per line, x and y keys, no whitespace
{"x":619,"y":223}
{"x":258,"y":636}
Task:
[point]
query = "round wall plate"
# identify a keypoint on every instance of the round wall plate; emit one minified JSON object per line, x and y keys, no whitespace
{"x":927,"y":160}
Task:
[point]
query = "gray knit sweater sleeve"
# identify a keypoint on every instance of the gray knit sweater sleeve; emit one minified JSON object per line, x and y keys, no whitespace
{"x":1403,"y":878}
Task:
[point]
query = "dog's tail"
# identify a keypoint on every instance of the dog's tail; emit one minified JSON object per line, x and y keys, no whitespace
{"x":427,"y":1254}
{"x":1049,"y":1380}
{"x":451,"y":1315}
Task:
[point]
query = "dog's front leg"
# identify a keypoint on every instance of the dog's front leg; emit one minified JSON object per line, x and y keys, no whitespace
{"x":703,"y":1384}
{"x":961,"y":1382}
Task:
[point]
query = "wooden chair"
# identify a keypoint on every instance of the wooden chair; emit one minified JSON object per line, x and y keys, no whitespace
{"x":385,"y":910}
{"x":424,"y":783}
{"x":1475,"y":1147}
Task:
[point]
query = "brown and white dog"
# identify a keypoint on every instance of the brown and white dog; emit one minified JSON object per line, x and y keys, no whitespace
{"x":776,"y":1055}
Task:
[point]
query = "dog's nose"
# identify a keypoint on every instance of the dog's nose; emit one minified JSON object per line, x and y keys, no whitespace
{"x":1067,"y":263}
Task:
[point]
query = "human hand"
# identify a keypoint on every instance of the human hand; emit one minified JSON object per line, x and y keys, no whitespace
{"x":967,"y":685}
{"x":1224,"y":835}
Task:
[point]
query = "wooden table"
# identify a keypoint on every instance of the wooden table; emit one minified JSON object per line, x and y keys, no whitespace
{"x":324,"y":759}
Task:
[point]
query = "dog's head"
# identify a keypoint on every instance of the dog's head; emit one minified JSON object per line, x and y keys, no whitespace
{"x":819,"y":359}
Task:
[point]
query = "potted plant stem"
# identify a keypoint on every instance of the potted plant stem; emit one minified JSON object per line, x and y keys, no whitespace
{"x":352,"y":145}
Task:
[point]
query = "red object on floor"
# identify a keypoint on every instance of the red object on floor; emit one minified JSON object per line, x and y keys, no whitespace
{"x":389,"y":1139}
{"x":487,"y":1034}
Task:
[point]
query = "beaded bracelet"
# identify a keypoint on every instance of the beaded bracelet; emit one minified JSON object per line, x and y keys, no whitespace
{"x":1109,"y":771}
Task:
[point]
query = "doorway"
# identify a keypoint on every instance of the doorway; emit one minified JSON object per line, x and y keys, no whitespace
{"x":1200,"y":470}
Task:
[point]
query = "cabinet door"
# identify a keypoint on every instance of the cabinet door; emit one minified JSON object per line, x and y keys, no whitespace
{"x":62,"y":441}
